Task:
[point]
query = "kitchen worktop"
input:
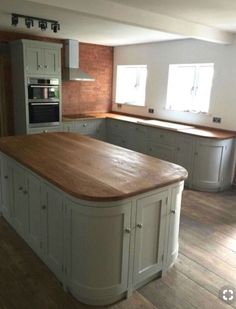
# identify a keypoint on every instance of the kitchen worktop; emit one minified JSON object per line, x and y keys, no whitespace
{"x":177,"y":127}
{"x":90,"y":169}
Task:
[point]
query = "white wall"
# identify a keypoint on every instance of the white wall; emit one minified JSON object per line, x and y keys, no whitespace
{"x":158,"y":56}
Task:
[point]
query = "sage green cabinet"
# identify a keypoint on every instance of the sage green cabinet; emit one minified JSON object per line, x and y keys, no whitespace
{"x":7,"y":188}
{"x":42,"y":59}
{"x":90,"y":127}
{"x":137,"y":137}
{"x":21,"y":205}
{"x":34,"y":213}
{"x":184,"y":155}
{"x":173,"y":222}
{"x":161,"y":144}
{"x":117,"y":132}
{"x":97,"y":252}
{"x":149,"y":236}
{"x":53,"y":229}
{"x":212,"y":161}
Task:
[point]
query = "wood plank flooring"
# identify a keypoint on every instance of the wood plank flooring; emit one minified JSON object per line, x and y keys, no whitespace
{"x":206,"y":262}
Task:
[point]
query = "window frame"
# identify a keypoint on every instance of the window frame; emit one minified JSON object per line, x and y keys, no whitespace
{"x":117,"y":101}
{"x":194,"y":88}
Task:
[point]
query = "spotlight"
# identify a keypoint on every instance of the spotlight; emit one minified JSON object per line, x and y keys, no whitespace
{"x":29,"y":22}
{"x":55,"y":27}
{"x":14,"y":20}
{"x":43,"y":25}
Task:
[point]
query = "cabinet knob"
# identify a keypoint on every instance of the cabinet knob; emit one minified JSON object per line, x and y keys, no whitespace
{"x":178,"y":149}
{"x":25,"y":192}
{"x":6,"y":177}
{"x":128,"y":230}
{"x":85,"y":125}
{"x":20,"y":188}
{"x":43,"y":207}
{"x":46,"y":66}
{"x":195,"y":153}
{"x":39,"y":66}
{"x":173,"y":211}
{"x":45,"y":131}
{"x":140,"y":225}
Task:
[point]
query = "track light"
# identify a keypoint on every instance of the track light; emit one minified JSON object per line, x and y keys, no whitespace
{"x":55,"y":27}
{"x":43,"y":24}
{"x":14,"y":20}
{"x":29,"y":22}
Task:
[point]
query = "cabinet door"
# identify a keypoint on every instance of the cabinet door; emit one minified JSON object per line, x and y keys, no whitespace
{"x":208,"y":163}
{"x":7,"y":188}
{"x":90,"y":230}
{"x":85,"y":127}
{"x":174,"y":220}
{"x":162,"y":151}
{"x":53,"y":228}
{"x":35,"y":231}
{"x":20,"y":217}
{"x":34,"y":60}
{"x":68,"y":126}
{"x":51,"y":61}
{"x":184,"y":156}
{"x":149,"y":236}
{"x":137,"y":138}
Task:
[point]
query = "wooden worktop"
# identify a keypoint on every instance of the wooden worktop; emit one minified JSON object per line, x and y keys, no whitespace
{"x":90,"y":169}
{"x":177,"y":127}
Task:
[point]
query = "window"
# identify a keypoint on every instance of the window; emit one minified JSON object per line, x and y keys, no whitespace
{"x":131,"y":84}
{"x":189,"y":87}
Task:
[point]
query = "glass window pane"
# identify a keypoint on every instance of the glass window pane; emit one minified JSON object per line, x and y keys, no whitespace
{"x":131,"y":84}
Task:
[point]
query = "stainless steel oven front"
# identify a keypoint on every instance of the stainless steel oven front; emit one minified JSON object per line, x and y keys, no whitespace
{"x":43,"y":89}
{"x":44,"y":114}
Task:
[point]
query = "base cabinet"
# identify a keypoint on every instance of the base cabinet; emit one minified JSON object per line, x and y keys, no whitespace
{"x":34,"y":213}
{"x":97,"y":251}
{"x":149,"y":236}
{"x":21,"y":205}
{"x":53,"y":229}
{"x":7,"y":188}
{"x":212,"y":161}
{"x":100,"y":251}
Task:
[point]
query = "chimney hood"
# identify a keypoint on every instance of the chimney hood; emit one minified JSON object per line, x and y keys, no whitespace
{"x":72,"y":70}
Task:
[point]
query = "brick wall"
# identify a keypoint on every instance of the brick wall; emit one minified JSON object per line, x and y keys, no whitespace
{"x":77,"y":97}
{"x":82,"y":97}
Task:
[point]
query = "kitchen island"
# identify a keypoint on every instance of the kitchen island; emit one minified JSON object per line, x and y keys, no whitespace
{"x":104,"y":219}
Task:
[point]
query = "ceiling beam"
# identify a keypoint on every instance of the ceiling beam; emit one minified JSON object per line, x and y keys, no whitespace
{"x":136,"y":17}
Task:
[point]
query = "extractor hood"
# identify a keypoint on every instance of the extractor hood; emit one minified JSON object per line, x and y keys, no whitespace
{"x":72,"y":70}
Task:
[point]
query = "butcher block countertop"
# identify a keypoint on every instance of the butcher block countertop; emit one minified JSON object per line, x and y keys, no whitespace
{"x":90,"y":169}
{"x":172,"y":126}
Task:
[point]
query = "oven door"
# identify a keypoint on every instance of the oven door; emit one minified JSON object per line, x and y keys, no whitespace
{"x":43,"y":114}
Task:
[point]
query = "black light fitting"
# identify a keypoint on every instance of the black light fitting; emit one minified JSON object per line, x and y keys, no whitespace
{"x":14,"y":20}
{"x":29,"y":22}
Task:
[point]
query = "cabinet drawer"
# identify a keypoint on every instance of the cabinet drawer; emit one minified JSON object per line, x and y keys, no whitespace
{"x":161,"y":136}
{"x":85,"y":127}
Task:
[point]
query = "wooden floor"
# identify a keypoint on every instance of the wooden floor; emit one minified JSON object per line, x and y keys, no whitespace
{"x":207,"y":261}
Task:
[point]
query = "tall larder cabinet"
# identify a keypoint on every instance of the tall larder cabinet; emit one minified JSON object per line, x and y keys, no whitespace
{"x":39,"y":61}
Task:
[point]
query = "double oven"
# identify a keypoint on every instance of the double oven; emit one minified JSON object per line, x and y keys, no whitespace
{"x":43,"y":102}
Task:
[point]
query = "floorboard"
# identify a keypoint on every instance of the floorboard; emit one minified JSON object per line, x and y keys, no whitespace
{"x":206,"y":262}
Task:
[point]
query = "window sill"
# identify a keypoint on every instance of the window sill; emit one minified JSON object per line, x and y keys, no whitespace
{"x":188,"y":111}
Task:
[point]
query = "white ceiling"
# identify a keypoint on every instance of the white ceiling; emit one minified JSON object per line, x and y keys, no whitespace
{"x":120,"y":22}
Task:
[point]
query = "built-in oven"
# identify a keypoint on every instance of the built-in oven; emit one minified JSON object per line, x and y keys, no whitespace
{"x":43,"y":102}
{"x":43,"y":89}
{"x":44,"y":114}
